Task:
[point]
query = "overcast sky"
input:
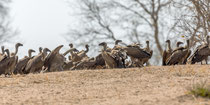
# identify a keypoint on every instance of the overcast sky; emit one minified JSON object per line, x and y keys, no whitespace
{"x":41,"y":23}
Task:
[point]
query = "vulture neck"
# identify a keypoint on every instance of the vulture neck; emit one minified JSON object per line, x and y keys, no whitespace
{"x":148,"y":46}
{"x":105,"y":48}
{"x":178,"y":44}
{"x":8,"y":53}
{"x":169,"y":45}
{"x":16,"y":50}
{"x":44,"y":53}
{"x":40,"y":50}
{"x":116,"y":43}
{"x":87,"y":49}
{"x":3,"y":52}
{"x":68,"y":51}
{"x":29,"y":54}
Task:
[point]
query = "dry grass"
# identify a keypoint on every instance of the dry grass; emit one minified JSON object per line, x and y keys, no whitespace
{"x":201,"y":89}
{"x":149,"y":85}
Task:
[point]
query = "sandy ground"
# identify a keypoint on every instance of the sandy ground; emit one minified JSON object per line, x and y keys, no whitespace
{"x":145,"y":86}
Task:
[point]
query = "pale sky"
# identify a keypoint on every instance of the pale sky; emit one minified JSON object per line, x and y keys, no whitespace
{"x":41,"y":23}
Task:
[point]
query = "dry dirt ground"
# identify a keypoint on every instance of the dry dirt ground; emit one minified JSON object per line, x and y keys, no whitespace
{"x":145,"y":86}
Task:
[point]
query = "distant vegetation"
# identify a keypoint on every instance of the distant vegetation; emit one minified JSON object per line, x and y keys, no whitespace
{"x":6,"y":31}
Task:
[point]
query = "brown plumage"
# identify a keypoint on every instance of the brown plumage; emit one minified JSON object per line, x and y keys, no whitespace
{"x":167,"y":53}
{"x":184,"y":60}
{"x":136,"y":54}
{"x":55,"y":61}
{"x":72,"y":53}
{"x":5,"y":63}
{"x":14,"y":58}
{"x":23,"y":62}
{"x":99,"y":61}
{"x":108,"y":58}
{"x":2,"y":55}
{"x":117,"y":47}
{"x":201,"y":53}
{"x":177,"y":55}
{"x":77,"y":57}
{"x":36,"y":63}
{"x":85,"y":64}
{"x":148,"y":50}
{"x":40,"y":50}
{"x":69,"y":64}
{"x":82,"y":54}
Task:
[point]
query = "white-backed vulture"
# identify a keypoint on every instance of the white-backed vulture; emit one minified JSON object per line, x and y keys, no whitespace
{"x":117,"y":47}
{"x":177,"y":55}
{"x":148,"y":50}
{"x":73,"y":55}
{"x":40,"y":50}
{"x":69,"y":64}
{"x":136,"y":54}
{"x":36,"y":63}
{"x":108,"y":58}
{"x":201,"y":53}
{"x":54,"y":61}
{"x":23,"y":62}
{"x":120,"y":52}
{"x":2,"y":55}
{"x":100,"y":62}
{"x":71,"y":47}
{"x":77,"y":57}
{"x":15,"y":58}
{"x":188,"y":53}
{"x":82,"y":54}
{"x":167,"y":53}
{"x":5,"y":63}
{"x":85,"y":64}
{"x":2,"y":49}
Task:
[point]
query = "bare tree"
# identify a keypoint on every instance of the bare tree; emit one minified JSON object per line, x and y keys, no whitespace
{"x":6,"y":32}
{"x":193,"y":19}
{"x":129,"y":20}
{"x":141,"y":20}
{"x":95,"y":25}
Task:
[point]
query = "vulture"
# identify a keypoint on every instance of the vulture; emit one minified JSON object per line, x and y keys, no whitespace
{"x":23,"y":62}
{"x":72,"y":53}
{"x":148,"y":50}
{"x":55,"y":61}
{"x":82,"y":54}
{"x":177,"y":55}
{"x":184,"y":60}
{"x":117,"y":47}
{"x":69,"y":64}
{"x":2,"y":55}
{"x":85,"y":64}
{"x":40,"y":50}
{"x":36,"y":63}
{"x":100,"y":62}
{"x":167,"y":53}
{"x":107,"y":56}
{"x":5,"y":63}
{"x":14,"y":58}
{"x":76,"y":57}
{"x":118,"y":50}
{"x":136,"y":54}
{"x":201,"y":53}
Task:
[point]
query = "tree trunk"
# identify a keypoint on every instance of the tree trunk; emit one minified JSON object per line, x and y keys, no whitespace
{"x":156,"y":36}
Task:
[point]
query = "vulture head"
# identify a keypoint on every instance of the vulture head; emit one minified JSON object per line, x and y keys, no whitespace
{"x":71,"y":45}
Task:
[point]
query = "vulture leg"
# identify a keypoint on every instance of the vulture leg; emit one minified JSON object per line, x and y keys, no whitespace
{"x":206,"y":60}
